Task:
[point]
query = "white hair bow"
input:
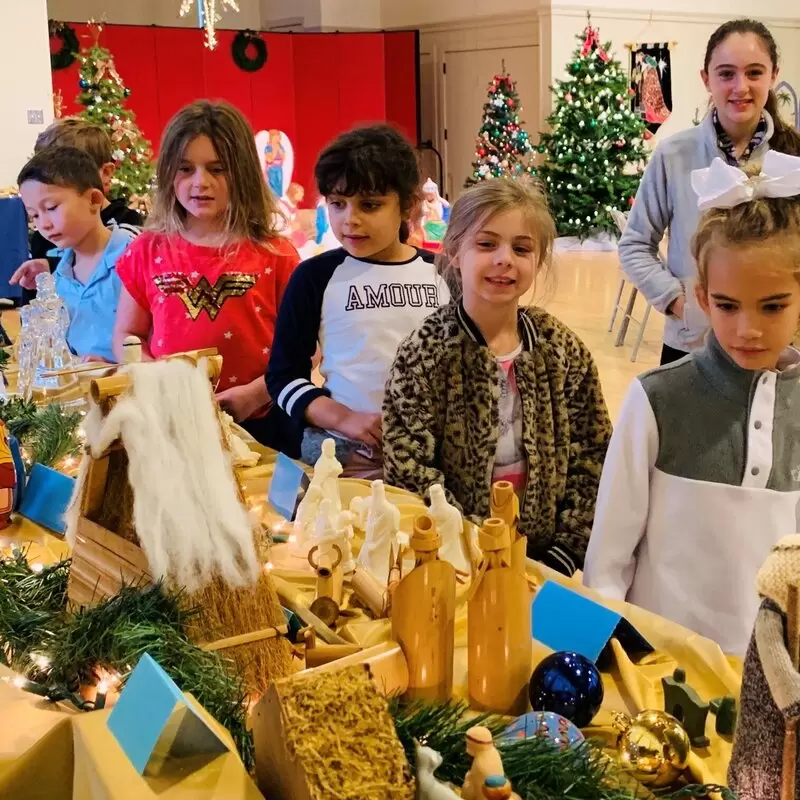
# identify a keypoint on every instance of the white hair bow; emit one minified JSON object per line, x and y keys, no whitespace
{"x":724,"y":186}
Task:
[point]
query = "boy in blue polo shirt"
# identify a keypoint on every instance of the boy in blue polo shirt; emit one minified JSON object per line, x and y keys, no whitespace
{"x":63,"y":195}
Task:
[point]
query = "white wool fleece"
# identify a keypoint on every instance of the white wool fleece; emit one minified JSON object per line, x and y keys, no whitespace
{"x":187,"y":513}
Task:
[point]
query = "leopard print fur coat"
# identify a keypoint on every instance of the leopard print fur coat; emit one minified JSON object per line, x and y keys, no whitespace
{"x":441,"y":420}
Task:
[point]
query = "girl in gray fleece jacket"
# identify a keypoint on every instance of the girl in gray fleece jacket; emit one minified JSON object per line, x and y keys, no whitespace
{"x":741,"y":64}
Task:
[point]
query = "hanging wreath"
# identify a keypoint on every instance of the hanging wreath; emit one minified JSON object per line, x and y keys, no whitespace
{"x":243,"y":44}
{"x":65,"y":56}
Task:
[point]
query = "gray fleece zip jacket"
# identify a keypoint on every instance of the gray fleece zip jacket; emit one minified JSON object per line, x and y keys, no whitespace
{"x":666,"y":200}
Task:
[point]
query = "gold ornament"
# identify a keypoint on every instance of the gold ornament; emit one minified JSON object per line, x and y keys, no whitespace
{"x":210,"y":16}
{"x":653,"y":747}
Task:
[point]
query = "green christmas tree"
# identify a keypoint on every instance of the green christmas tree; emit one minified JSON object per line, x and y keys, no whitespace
{"x":103,"y":94}
{"x":503,"y":147}
{"x":595,"y":151}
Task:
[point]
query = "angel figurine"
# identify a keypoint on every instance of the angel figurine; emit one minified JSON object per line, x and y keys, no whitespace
{"x":433,"y":204}
{"x":382,"y":526}
{"x":326,"y":474}
{"x":764,"y":764}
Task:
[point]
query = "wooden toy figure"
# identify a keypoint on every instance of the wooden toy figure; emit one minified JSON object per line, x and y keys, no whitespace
{"x":683,"y":703}
{"x":326,"y":474}
{"x":499,"y":627}
{"x":498,"y":787}
{"x":423,"y":617}
{"x":505,"y":506}
{"x":8,"y":477}
{"x":383,"y":524}
{"x":486,"y":761}
{"x":450,"y":527}
{"x":764,"y":763}
{"x":326,"y":555}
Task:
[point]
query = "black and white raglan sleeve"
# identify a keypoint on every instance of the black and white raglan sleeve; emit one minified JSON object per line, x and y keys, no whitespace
{"x":296,"y":334}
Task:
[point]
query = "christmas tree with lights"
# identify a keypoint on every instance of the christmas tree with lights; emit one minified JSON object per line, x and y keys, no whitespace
{"x":503,"y":147}
{"x":103,"y":95}
{"x":595,"y":151}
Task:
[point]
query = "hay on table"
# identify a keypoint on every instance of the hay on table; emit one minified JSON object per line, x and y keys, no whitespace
{"x":329,"y":737}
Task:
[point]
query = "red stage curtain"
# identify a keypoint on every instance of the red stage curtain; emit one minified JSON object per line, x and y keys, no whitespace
{"x":313,"y":86}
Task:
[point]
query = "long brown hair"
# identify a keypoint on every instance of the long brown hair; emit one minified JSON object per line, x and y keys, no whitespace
{"x":483,"y":201}
{"x":252,"y":212}
{"x":785,"y":139}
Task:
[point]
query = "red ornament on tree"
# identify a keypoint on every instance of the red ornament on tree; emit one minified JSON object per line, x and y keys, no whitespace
{"x":630,"y":201}
{"x":568,"y":97}
{"x":510,"y":103}
{"x":481,"y":152}
{"x":647,"y":135}
{"x":631,"y":93}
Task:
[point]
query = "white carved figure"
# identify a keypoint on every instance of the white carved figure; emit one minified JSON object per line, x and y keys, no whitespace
{"x":449,"y":525}
{"x":325,"y":531}
{"x":345,"y":534}
{"x":359,"y":508}
{"x":382,"y":527}
{"x":305,"y":521}
{"x":428,"y":788}
{"x":326,"y":474}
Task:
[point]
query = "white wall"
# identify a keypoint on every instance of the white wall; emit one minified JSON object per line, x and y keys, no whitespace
{"x":351,"y":14}
{"x":26,"y":84}
{"x":146,"y":12}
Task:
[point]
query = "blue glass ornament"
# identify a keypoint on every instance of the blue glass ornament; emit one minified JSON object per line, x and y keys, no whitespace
{"x":84,"y":84}
{"x":545,"y":725}
{"x":567,"y":684}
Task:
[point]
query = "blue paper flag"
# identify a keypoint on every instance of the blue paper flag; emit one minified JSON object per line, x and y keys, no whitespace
{"x":565,"y":620}
{"x":46,"y":498}
{"x":289,"y":482}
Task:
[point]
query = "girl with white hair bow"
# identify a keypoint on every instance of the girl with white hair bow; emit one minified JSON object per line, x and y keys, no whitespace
{"x":702,"y":475}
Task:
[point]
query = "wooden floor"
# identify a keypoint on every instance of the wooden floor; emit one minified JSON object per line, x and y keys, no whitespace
{"x":586,"y":286}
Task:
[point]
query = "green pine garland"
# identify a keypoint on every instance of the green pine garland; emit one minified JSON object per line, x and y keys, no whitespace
{"x":595,"y":152}
{"x":46,"y":434}
{"x":58,"y":648}
{"x":536,"y":769}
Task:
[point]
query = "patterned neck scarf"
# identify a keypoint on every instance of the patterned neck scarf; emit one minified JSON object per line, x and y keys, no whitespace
{"x":727,"y":146}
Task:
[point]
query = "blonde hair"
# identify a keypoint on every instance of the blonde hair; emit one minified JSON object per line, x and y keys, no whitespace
{"x":78,"y":133}
{"x":763,"y":222}
{"x":486,"y":200}
{"x":252,"y":211}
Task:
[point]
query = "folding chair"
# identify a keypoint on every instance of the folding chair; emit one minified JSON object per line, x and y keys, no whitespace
{"x":627,"y":316}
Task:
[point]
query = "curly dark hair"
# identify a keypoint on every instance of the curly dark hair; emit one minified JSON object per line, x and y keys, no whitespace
{"x":62,"y":166}
{"x":371,"y":160}
{"x":785,"y":139}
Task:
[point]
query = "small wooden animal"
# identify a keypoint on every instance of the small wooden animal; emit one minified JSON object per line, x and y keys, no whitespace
{"x":683,"y":703}
{"x":428,"y":788}
{"x":486,"y":761}
{"x":726,"y":712}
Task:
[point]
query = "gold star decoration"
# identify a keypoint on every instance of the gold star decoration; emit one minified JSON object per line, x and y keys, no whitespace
{"x":210,"y":16}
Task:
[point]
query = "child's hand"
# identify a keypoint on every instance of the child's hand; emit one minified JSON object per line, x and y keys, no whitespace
{"x":363,"y":427}
{"x":25,"y":276}
{"x":241,"y":402}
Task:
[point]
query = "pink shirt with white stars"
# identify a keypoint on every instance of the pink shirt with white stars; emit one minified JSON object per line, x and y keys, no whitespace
{"x":200,"y":297}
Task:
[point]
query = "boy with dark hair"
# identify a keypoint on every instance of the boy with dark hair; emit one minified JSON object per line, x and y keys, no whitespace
{"x":358,"y":302}
{"x":92,"y":139}
{"x":63,"y":195}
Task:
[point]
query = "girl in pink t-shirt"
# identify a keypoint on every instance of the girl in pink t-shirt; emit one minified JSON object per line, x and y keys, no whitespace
{"x":211,"y":269}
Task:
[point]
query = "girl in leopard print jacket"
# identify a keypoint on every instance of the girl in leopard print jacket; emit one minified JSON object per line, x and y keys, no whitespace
{"x":485,"y":390}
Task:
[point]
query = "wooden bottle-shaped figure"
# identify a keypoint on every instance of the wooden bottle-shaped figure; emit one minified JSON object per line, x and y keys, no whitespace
{"x":325,"y":556}
{"x":505,"y":506}
{"x":499,"y":627}
{"x":423,"y":616}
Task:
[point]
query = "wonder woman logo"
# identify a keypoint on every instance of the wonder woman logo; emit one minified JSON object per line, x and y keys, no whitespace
{"x":203,"y":296}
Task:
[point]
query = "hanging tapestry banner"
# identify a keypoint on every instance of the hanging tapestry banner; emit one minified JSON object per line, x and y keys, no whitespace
{"x":651,"y":82}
